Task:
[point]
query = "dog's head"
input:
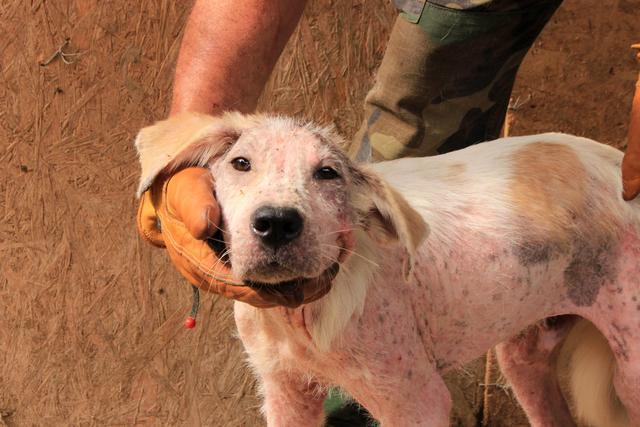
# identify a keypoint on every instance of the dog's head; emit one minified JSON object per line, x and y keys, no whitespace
{"x":292,"y":201}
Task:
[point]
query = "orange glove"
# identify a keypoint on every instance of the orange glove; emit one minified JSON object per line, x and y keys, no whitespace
{"x":631,"y":160}
{"x":180,"y":212}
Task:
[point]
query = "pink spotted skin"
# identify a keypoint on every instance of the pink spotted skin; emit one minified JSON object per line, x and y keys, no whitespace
{"x":483,"y":277}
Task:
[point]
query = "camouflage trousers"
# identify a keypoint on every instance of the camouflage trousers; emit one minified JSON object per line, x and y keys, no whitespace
{"x":447,"y":75}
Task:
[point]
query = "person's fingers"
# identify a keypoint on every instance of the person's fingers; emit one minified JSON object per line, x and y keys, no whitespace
{"x":322,"y":285}
{"x":195,"y":260}
{"x":191,"y":199}
{"x":631,"y":190}
{"x":251,"y":296}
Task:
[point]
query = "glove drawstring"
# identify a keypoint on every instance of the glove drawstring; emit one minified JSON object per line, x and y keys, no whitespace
{"x":190,"y":321}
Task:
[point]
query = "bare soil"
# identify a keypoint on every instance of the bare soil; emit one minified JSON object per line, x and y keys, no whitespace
{"x":91,"y":316}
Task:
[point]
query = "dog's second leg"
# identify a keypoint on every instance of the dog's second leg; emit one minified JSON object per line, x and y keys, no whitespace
{"x":624,"y":339}
{"x":620,"y":325}
{"x":627,"y":385}
{"x":528,"y":361}
{"x":290,"y":398}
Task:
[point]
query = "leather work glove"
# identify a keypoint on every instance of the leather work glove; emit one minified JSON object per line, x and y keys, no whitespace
{"x":631,"y":160}
{"x":179,"y":211}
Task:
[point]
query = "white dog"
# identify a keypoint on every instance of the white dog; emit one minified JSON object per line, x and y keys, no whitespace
{"x":441,"y":258}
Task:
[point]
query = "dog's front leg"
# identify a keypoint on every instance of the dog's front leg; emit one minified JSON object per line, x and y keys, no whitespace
{"x":289,"y":400}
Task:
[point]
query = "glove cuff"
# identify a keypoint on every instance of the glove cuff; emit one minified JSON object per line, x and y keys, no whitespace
{"x":147,"y":221}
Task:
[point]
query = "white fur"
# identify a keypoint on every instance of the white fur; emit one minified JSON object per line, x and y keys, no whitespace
{"x":346,"y":298}
{"x":422,"y":181}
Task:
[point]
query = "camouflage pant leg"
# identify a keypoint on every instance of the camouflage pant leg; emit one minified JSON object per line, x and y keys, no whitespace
{"x":445,"y":81}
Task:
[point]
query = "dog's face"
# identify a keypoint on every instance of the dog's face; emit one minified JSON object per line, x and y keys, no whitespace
{"x":285,"y":193}
{"x":291,"y":199}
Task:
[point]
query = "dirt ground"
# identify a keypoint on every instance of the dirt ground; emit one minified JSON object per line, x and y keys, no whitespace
{"x":90,"y":316}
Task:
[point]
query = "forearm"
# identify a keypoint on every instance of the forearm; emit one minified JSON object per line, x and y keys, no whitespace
{"x":228,"y":52}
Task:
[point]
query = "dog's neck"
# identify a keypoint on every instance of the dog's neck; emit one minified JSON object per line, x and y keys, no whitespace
{"x":328,"y":317}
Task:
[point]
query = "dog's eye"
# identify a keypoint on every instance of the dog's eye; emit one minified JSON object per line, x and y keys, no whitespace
{"x":241,"y":164}
{"x":326,"y":172}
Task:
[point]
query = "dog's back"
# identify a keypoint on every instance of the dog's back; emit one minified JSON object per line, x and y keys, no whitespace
{"x":587,"y":166}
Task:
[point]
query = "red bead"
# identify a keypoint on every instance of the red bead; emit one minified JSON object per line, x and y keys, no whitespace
{"x":189,"y":322}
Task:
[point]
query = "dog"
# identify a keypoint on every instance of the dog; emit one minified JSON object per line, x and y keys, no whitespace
{"x":523,"y":243}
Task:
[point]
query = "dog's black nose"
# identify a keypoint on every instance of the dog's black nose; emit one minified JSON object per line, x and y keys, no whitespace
{"x":276,"y":226}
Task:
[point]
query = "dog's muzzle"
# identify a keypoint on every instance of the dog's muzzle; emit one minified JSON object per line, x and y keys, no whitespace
{"x":298,"y":291}
{"x":291,"y":293}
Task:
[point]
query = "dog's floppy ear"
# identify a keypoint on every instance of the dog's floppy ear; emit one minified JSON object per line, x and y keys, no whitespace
{"x":186,"y":139}
{"x":388,"y":215}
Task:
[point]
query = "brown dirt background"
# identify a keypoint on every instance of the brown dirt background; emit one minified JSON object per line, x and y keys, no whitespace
{"x":90,"y":316}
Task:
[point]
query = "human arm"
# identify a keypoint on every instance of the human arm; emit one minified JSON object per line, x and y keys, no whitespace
{"x":228,"y":52}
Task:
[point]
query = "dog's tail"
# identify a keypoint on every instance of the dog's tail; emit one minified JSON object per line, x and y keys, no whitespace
{"x":586,"y":368}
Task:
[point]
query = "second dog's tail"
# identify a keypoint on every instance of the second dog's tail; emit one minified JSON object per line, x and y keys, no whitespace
{"x":586,"y":367}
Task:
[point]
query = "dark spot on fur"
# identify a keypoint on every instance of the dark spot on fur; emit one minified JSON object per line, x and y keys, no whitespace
{"x":409,"y":374}
{"x":460,"y":323}
{"x":620,"y":342}
{"x":381,"y":318}
{"x":590,"y":268}
{"x":442,"y":365}
{"x":532,"y":253}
